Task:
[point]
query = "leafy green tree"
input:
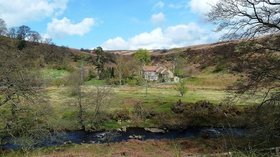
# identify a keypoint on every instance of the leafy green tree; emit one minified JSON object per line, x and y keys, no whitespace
{"x":181,"y":87}
{"x":143,"y":56}
{"x":126,"y":68}
{"x":100,"y":61}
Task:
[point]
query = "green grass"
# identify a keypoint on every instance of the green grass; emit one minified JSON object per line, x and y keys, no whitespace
{"x":170,"y":94}
{"x":54,"y":73}
{"x":111,"y":124}
{"x":95,"y":82}
{"x":157,"y":100}
{"x":206,"y":79}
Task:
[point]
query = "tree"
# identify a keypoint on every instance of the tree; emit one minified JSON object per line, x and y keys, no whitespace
{"x":143,"y":56}
{"x":75,"y":82}
{"x":101,"y":97}
{"x":3,"y":27}
{"x":20,"y":90}
{"x":23,"y":32}
{"x":246,"y":18}
{"x":120,"y":69}
{"x":126,"y":68}
{"x":19,"y":80}
{"x":47,"y":41}
{"x":34,"y":36}
{"x":179,"y":64}
{"x":181,"y":87}
{"x":99,"y":61}
{"x":258,"y":58}
{"x":12,"y":32}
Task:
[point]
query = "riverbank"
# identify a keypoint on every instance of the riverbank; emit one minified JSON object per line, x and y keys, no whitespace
{"x":149,"y":148}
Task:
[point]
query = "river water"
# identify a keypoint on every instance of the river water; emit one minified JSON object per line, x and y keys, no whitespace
{"x":79,"y":137}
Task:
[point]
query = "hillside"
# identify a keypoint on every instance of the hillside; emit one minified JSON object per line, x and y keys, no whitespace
{"x":206,"y":54}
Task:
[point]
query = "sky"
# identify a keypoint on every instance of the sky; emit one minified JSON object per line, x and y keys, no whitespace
{"x":115,"y":24}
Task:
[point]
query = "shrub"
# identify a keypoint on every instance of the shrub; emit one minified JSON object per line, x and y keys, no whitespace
{"x":139,"y":111}
{"x":122,"y":114}
{"x":132,"y":82}
{"x":181,"y":87}
{"x":179,"y":107}
{"x":58,"y":82}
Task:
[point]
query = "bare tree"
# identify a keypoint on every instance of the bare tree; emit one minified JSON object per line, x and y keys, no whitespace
{"x":34,"y":36}
{"x":75,"y":82}
{"x":23,"y":32}
{"x":3,"y":27}
{"x":101,"y":97}
{"x":18,"y":79}
{"x":96,"y":100}
{"x":258,"y":59}
{"x":246,"y":18}
{"x":47,"y":41}
{"x":12,"y":33}
{"x":20,"y":90}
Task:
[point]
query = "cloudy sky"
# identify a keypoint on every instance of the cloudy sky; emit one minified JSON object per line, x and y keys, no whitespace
{"x":114,"y":24}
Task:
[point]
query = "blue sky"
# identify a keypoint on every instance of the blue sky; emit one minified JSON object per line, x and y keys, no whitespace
{"x":114,"y":24}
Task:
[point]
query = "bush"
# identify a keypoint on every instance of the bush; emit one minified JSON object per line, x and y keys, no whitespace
{"x":181,"y":87}
{"x":112,"y":81}
{"x":122,"y":114}
{"x":132,"y":82}
{"x":91,"y":74}
{"x":139,"y":111}
{"x":58,"y":82}
{"x":179,"y":107}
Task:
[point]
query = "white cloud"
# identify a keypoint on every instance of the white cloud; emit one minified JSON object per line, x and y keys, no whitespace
{"x":202,"y":7}
{"x":16,"y":12}
{"x":171,"y":37}
{"x":158,"y":18}
{"x":117,"y":43}
{"x":63,"y":27}
{"x":159,"y":5}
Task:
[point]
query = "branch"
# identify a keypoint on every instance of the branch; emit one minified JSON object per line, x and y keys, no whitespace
{"x":272,"y":3}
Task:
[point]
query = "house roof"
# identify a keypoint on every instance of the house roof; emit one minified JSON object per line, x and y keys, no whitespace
{"x":150,"y":68}
{"x":157,"y":69}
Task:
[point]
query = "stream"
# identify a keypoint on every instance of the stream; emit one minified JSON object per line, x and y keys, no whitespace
{"x":79,"y":137}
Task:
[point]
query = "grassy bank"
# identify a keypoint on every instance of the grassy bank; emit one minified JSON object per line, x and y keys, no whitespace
{"x":154,"y":148}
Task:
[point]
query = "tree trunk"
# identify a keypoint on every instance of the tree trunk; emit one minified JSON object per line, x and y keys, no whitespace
{"x":81,"y":110}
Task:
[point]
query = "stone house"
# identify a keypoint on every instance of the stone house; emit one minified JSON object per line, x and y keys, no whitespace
{"x":157,"y":73}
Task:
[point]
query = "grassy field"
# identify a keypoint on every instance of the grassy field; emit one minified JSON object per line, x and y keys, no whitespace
{"x":157,"y":98}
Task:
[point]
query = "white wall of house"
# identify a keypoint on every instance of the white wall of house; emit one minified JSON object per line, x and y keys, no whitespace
{"x":151,"y":76}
